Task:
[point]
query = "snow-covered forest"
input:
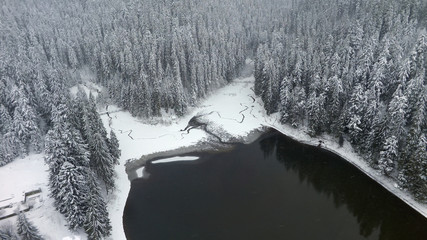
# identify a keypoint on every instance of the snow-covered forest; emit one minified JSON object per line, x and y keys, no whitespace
{"x":352,"y":69}
{"x":356,"y":70}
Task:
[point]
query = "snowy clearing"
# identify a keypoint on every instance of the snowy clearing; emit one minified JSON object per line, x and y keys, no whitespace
{"x":25,"y":175}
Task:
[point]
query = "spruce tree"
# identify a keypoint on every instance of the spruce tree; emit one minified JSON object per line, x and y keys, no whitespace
{"x":101,"y":160}
{"x":26,"y":229}
{"x":72,"y":193}
{"x":113,"y":145}
{"x":7,"y":232}
{"x":389,"y":155}
{"x":97,"y":224}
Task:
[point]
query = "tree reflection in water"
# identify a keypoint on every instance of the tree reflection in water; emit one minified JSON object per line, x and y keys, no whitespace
{"x":372,"y":205}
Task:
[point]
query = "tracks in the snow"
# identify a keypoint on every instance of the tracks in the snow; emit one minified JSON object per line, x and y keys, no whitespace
{"x":203,"y":126}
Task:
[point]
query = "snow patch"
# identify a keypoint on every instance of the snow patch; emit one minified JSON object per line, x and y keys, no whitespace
{"x":85,"y":78}
{"x":87,"y":88}
{"x":175,"y":159}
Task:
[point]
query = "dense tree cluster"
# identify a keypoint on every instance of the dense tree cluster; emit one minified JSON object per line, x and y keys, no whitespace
{"x":354,"y":69}
{"x":79,"y":155}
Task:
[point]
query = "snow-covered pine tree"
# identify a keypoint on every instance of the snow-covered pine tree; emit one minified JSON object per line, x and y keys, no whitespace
{"x":298,"y":106}
{"x":101,"y":160}
{"x":316,"y":114}
{"x":155,"y":81}
{"x":72,"y":193}
{"x":113,"y":145}
{"x":396,"y":114}
{"x":334,"y":102}
{"x":7,"y":232}
{"x":356,"y":111}
{"x":389,"y":155}
{"x":12,"y":145}
{"x":179,"y":100}
{"x":24,"y":123}
{"x":145,"y":94}
{"x":26,"y":229}
{"x":5,"y":119}
{"x":68,"y":160}
{"x":285,"y":95}
{"x":413,"y":163}
{"x":97,"y":224}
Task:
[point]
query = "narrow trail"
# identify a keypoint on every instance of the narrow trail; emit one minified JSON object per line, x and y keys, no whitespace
{"x":110,"y":122}
{"x":128,"y":131}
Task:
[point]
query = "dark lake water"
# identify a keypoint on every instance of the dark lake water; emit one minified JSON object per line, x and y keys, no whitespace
{"x":274,"y":188}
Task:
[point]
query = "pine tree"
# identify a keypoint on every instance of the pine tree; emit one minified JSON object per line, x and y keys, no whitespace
{"x":5,"y":120}
{"x":396,"y":116}
{"x":419,"y":166}
{"x":316,"y":114}
{"x":388,"y":156}
{"x":7,"y":233}
{"x":285,"y":100}
{"x":68,"y":160}
{"x":97,"y":224}
{"x":297,"y":106}
{"x":113,"y":145}
{"x":24,"y":124}
{"x":26,"y":229}
{"x":101,"y":160}
{"x":71,"y":194}
{"x":145,"y":92}
{"x":179,"y":101}
{"x":95,"y":135}
{"x":355,"y":114}
{"x":12,"y":146}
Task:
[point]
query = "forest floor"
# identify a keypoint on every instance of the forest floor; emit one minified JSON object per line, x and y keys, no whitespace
{"x":232,"y":113}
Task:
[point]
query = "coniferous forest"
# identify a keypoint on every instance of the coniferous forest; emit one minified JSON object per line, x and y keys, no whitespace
{"x":354,"y":69}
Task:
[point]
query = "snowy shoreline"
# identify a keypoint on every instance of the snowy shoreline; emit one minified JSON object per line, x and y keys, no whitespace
{"x":133,"y":165}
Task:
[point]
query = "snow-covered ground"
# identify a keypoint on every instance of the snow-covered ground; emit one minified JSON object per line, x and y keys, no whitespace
{"x":233,"y":109}
{"x":28,"y":174}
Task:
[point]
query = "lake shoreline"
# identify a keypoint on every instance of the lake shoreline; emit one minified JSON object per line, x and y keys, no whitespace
{"x":357,"y":161}
{"x":389,"y":184}
{"x":132,"y":165}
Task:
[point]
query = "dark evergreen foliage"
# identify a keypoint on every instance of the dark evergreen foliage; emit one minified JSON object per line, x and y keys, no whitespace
{"x":356,"y":70}
{"x":96,"y":224}
{"x":113,"y":145}
{"x":72,"y":168}
{"x":26,"y":229}
{"x":7,"y":232}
